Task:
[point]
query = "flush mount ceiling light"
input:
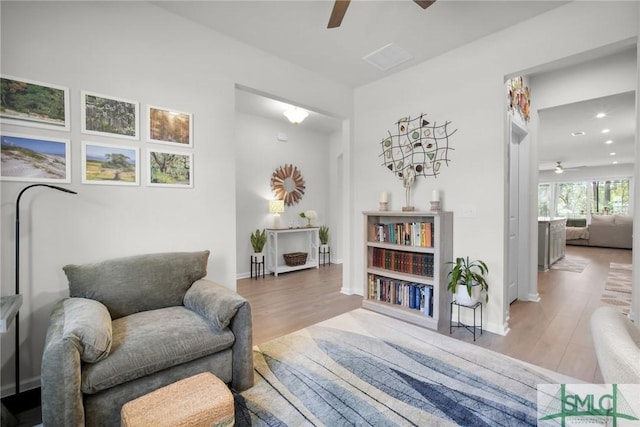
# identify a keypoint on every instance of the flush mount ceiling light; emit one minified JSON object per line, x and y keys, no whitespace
{"x":615,"y":162}
{"x":612,"y":154}
{"x":601,"y":115}
{"x":580,"y":133}
{"x":559,"y":168}
{"x":609,"y":141}
{"x":605,"y":130}
{"x":296,"y":115}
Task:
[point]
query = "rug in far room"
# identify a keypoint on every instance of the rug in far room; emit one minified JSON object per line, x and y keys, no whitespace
{"x":617,"y":289}
{"x":363,"y":368}
{"x":571,"y":263}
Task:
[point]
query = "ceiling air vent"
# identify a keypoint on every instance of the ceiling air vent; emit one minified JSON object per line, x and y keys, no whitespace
{"x":388,"y":57}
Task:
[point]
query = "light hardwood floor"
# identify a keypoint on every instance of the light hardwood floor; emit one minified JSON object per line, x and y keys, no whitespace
{"x":553,"y":333}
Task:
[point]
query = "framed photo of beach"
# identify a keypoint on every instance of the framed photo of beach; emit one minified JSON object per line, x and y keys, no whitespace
{"x":172,"y":169}
{"x":109,"y":164}
{"x":109,"y":116}
{"x":35,"y":159}
{"x":166,"y":126}
{"x":34,"y":104}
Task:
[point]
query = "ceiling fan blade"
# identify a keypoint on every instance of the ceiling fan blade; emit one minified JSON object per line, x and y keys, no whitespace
{"x":339,"y":9}
{"x":425,"y":3}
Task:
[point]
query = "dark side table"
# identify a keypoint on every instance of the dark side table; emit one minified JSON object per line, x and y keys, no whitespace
{"x":459,"y":324}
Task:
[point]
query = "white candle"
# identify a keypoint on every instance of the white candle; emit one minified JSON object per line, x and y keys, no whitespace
{"x":384,"y":197}
{"x":436,"y":196}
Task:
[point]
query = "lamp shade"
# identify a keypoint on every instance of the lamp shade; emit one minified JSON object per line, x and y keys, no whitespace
{"x":276,"y":206}
{"x":296,"y":115}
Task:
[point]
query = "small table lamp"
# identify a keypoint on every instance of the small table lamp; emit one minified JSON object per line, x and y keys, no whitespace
{"x":276,"y":207}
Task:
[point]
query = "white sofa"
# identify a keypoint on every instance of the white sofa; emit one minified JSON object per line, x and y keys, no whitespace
{"x":617,"y":342}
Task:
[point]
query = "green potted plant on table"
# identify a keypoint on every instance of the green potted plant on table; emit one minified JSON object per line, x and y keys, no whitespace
{"x":467,"y":280}
{"x":323,"y":233}
{"x":258,"y":240}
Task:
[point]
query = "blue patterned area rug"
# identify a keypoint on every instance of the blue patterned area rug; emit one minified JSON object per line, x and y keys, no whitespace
{"x":363,"y":368}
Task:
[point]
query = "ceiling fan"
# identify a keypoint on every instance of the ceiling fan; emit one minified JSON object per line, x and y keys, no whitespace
{"x":340,"y":8}
{"x":560,"y":169}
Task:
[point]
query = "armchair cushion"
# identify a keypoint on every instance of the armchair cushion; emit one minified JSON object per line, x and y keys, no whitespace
{"x":213,"y":302}
{"x":138,"y":283}
{"x":88,"y":327}
{"x":148,"y":342}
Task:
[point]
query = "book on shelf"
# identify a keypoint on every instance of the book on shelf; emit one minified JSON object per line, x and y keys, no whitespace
{"x":403,"y":233}
{"x":414,"y":296}
{"x":417,"y":263}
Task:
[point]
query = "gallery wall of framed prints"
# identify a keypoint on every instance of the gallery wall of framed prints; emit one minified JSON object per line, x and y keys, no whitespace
{"x":110,"y":150}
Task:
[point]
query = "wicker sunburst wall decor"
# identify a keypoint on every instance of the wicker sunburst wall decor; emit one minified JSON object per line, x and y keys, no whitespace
{"x":287,"y":184}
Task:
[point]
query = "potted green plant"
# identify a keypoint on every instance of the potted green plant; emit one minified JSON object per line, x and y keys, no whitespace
{"x":323,"y":233}
{"x":258,"y":240}
{"x":471,"y":274}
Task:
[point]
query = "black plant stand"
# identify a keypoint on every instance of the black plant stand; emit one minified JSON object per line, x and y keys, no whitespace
{"x":257,"y":266}
{"x":469,"y":328}
{"x":322,"y":255}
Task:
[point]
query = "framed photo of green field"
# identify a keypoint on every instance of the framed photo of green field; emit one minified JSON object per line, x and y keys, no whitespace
{"x":109,"y":116}
{"x":35,"y":159}
{"x":165,"y":126}
{"x":34,"y":104}
{"x":108,"y":164}
{"x":169,"y":169}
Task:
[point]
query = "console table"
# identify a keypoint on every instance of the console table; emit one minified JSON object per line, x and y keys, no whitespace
{"x":307,"y":241}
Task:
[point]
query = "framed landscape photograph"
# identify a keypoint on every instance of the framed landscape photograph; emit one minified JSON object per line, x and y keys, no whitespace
{"x":169,"y":169}
{"x":34,"y":104}
{"x":108,"y":164}
{"x":109,"y":116}
{"x":165,"y":126}
{"x":35,"y":159}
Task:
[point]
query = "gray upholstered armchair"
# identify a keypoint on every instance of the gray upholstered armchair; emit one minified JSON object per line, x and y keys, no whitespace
{"x":133,"y":325}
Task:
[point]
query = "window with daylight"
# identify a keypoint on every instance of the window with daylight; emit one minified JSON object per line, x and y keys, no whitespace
{"x":544,"y":200}
{"x":580,"y":199}
{"x":610,"y":197}
{"x":571,"y":200}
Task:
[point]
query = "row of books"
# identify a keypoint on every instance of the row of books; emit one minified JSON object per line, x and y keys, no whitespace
{"x":415,"y":296}
{"x":403,"y":233}
{"x":420,"y":264}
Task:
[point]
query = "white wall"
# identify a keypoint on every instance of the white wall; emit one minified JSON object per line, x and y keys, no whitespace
{"x":258,"y":154}
{"x":137,"y":51}
{"x":466,"y":87}
{"x":611,"y":74}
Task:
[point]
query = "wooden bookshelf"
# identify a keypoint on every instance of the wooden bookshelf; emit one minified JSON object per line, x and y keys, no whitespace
{"x":405,"y":266}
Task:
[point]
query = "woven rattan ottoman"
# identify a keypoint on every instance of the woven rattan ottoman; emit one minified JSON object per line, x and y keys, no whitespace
{"x":201,"y":400}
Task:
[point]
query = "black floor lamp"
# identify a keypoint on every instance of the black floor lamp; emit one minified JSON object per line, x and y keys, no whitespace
{"x":17,"y":349}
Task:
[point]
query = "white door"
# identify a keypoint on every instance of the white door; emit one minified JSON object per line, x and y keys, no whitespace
{"x":513,"y":244}
{"x":517,"y":245}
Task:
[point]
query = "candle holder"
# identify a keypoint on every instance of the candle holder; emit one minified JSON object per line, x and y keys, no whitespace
{"x":435,"y":206}
{"x":384,"y":206}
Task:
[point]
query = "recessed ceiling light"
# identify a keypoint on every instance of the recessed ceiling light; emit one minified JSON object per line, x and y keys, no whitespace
{"x":615,"y":162}
{"x":606,"y":130}
{"x":601,"y":115}
{"x":608,"y":141}
{"x":612,"y":154}
{"x":581,"y":133}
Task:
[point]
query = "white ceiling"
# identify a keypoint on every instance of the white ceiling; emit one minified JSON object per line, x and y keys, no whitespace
{"x":296,"y":32}
{"x":557,"y":123}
